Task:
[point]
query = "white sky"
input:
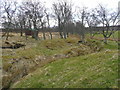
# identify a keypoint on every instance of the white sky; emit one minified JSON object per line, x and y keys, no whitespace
{"x":112,"y":4}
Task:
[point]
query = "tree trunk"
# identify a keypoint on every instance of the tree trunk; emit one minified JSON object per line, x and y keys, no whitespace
{"x":26,"y":36}
{"x":7,"y":34}
{"x":50,"y":35}
{"x":35,"y":35}
{"x":61,"y":35}
{"x":65,"y":35}
{"x":82,"y":37}
{"x":44,"y":35}
{"x":21,"y":33}
{"x":105,"y":40}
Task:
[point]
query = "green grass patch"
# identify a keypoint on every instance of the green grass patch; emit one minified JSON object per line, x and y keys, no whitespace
{"x":111,"y":45}
{"x":115,"y":34}
{"x":85,"y":66}
{"x":97,"y":70}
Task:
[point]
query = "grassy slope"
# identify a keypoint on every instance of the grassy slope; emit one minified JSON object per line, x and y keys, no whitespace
{"x":93,"y":70}
{"x":96,"y":70}
{"x":46,"y":47}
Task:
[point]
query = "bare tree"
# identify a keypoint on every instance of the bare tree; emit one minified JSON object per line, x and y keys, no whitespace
{"x":107,"y":19}
{"x":63,"y":14}
{"x":70,"y":28}
{"x":21,"y":20}
{"x":48,"y":22}
{"x":43,"y":25}
{"x":92,"y":22}
{"x":82,"y":14}
{"x":9,"y":12}
{"x":34,"y":12}
{"x":57,"y":16}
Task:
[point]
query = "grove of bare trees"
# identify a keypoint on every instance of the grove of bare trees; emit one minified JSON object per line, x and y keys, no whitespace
{"x":34,"y":16}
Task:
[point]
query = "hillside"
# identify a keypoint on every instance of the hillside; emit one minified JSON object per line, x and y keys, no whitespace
{"x":96,"y":70}
{"x":61,"y":63}
{"x":88,"y":67}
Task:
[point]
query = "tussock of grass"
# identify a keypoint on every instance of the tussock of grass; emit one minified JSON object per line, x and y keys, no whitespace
{"x":72,"y":40}
{"x":95,"y":45}
{"x":53,"y":44}
{"x":77,"y":51}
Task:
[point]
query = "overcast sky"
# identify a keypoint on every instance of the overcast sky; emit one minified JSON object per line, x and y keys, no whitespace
{"x":112,"y":4}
